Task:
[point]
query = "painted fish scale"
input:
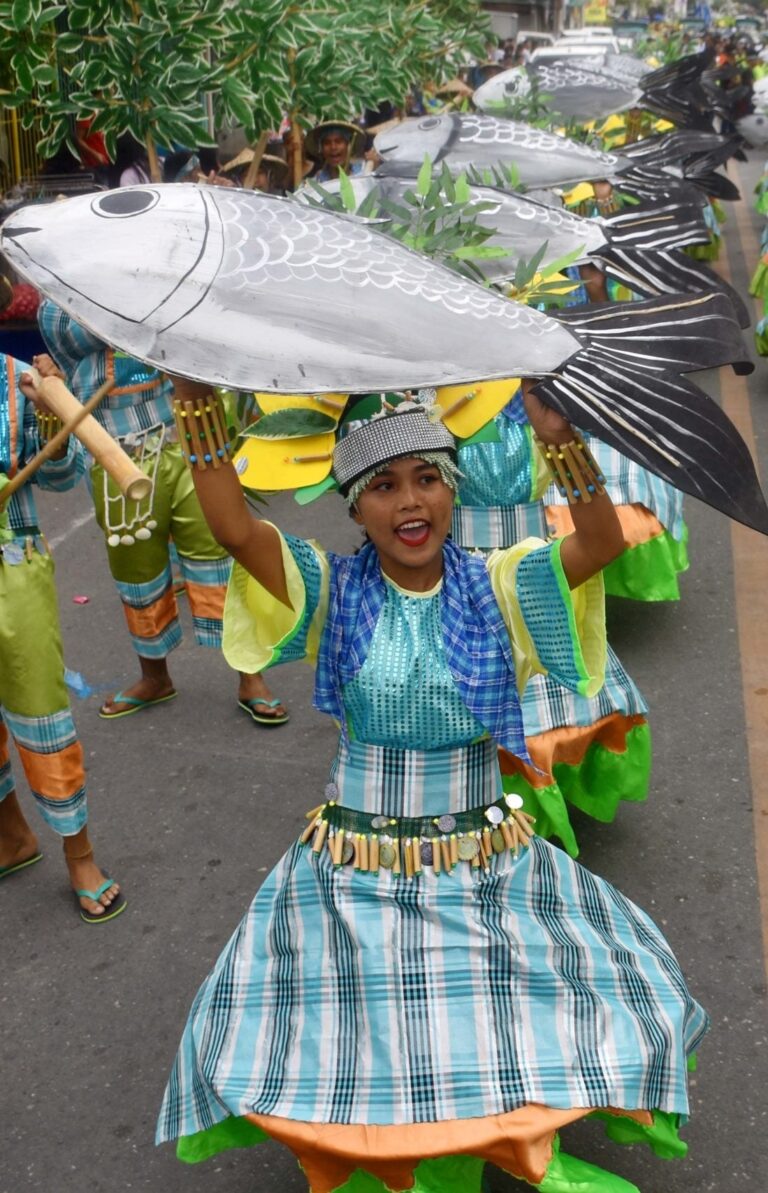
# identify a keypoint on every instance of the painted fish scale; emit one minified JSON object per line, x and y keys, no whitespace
{"x":310,"y":248}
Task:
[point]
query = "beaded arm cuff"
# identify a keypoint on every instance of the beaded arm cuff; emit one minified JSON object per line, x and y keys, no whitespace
{"x":574,"y":469}
{"x":48,"y":425}
{"x":202,"y":428}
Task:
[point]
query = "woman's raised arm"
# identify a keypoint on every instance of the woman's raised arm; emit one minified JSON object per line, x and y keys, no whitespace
{"x":597,"y":538}
{"x":253,"y":543}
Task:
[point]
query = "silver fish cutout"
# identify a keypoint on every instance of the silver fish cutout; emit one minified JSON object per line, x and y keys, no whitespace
{"x":574,"y":89}
{"x":464,"y":140}
{"x":249,"y":291}
{"x":521,"y":224}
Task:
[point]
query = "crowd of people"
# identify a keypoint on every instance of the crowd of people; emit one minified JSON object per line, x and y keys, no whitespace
{"x":462,"y":654}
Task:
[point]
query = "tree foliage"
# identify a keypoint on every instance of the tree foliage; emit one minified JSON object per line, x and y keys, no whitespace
{"x":144,"y":66}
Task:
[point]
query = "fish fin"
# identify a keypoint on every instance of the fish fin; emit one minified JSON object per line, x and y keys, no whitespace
{"x":670,"y":273}
{"x":675,"y":332}
{"x":718,"y":186}
{"x":656,"y":226}
{"x":666,"y":424}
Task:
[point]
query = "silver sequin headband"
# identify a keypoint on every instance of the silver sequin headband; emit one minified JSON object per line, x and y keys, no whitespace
{"x":370,"y":446}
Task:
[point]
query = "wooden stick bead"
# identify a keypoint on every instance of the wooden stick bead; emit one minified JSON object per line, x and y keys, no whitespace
{"x":437,"y":855}
{"x":445,"y":852}
{"x":322,"y":833}
{"x":506,"y":833}
{"x":396,"y":868}
{"x":309,"y":830}
{"x":408,"y":856}
{"x":454,"y":846}
{"x":363,"y":853}
{"x":338,"y":847}
{"x":373,"y":854}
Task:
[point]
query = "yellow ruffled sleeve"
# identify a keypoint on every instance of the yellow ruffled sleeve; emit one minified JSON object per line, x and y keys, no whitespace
{"x":260,"y":631}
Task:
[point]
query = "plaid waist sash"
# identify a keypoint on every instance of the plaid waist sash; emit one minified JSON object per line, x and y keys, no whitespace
{"x":497,"y":526}
{"x":387,"y":781}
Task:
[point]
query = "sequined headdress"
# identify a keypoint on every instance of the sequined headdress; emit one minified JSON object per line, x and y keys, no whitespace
{"x":368,"y":445}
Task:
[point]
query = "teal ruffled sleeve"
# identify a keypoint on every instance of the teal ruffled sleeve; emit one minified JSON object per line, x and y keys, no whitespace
{"x":554,"y":630}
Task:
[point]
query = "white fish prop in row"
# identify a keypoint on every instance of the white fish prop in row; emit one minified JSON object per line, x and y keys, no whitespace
{"x":638,"y":247}
{"x":573,"y":89}
{"x":475,"y":142}
{"x":253,"y":292}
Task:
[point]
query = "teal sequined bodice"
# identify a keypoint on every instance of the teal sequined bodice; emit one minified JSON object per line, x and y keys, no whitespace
{"x":404,"y":695}
{"x":497,"y":473}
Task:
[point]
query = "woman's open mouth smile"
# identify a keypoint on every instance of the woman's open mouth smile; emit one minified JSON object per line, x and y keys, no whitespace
{"x":414,"y":533}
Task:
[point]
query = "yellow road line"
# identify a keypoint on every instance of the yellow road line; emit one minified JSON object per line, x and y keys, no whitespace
{"x":750,"y":567}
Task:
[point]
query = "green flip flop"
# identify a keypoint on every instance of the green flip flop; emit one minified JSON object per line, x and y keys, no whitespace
{"x":117,"y":905}
{"x":14,"y":869}
{"x":136,"y":705}
{"x":249,"y":707}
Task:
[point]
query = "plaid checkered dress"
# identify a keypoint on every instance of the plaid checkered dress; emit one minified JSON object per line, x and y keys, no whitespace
{"x":351,"y":997}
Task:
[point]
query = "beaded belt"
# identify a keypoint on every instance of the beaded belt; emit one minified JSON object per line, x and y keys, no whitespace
{"x":406,"y":845}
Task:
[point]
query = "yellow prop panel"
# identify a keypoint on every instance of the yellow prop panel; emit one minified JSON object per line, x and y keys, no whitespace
{"x":275,"y":464}
{"x":467,"y":408}
{"x":330,"y":404}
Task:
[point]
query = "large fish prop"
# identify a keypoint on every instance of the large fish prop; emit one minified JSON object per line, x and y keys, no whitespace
{"x":475,"y":142}
{"x":638,"y":247}
{"x":695,"y":155}
{"x":249,"y":291}
{"x":572,"y":90}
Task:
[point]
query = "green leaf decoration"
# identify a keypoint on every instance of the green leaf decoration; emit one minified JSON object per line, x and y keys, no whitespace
{"x":563,"y":262}
{"x":347,"y":192}
{"x":487,"y":434}
{"x":311,"y":492}
{"x":290,"y":424}
{"x":424,"y":179}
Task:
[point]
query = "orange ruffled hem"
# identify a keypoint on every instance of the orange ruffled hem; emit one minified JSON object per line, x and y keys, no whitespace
{"x":569,"y":744}
{"x":638,"y":524}
{"x":519,"y":1142}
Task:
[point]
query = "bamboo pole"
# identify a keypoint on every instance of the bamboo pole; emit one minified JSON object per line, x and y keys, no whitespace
{"x":249,"y":181}
{"x":53,"y":444}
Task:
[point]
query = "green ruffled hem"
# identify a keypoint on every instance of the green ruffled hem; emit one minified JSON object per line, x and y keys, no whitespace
{"x":758,"y":286}
{"x":704,"y":252}
{"x":596,"y":786}
{"x":762,"y":202}
{"x":457,"y":1174}
{"x":649,"y":571}
{"x":761,"y":342}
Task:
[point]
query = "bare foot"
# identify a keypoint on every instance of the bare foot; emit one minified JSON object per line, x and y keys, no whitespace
{"x":18,"y":849}
{"x":85,"y":875}
{"x":147,"y":688}
{"x":17,"y":841}
{"x":253,"y":687}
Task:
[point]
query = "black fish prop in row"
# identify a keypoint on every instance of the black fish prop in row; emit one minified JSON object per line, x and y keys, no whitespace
{"x":693,"y":154}
{"x":471,"y":141}
{"x":633,"y":246}
{"x":249,"y":291}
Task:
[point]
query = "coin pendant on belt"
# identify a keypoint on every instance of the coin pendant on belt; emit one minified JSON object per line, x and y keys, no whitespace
{"x":494,"y":814}
{"x":347,"y":851}
{"x":380,"y":822}
{"x":468,"y":848}
{"x":387,"y":856}
{"x":446,"y":823}
{"x":497,"y":841}
{"x":513,"y":801}
{"x":427,"y":857}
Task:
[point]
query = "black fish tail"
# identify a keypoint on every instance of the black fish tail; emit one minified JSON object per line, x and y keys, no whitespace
{"x":670,"y":273}
{"x":626,"y":389}
{"x":656,"y":226}
{"x":667,"y":425}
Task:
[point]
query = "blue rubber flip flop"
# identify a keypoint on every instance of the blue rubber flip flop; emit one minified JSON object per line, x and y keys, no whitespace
{"x":249,"y":707}
{"x":115,"y":908}
{"x":136,"y":705}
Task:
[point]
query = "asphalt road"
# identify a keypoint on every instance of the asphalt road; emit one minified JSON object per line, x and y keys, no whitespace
{"x":191,"y":805}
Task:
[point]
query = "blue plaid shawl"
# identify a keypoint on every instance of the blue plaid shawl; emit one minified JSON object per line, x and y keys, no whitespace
{"x":7,"y":447}
{"x":477,"y":646}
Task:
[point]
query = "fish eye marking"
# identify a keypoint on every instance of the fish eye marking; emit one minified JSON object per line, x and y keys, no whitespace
{"x":430,"y":122}
{"x":125,"y":203}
